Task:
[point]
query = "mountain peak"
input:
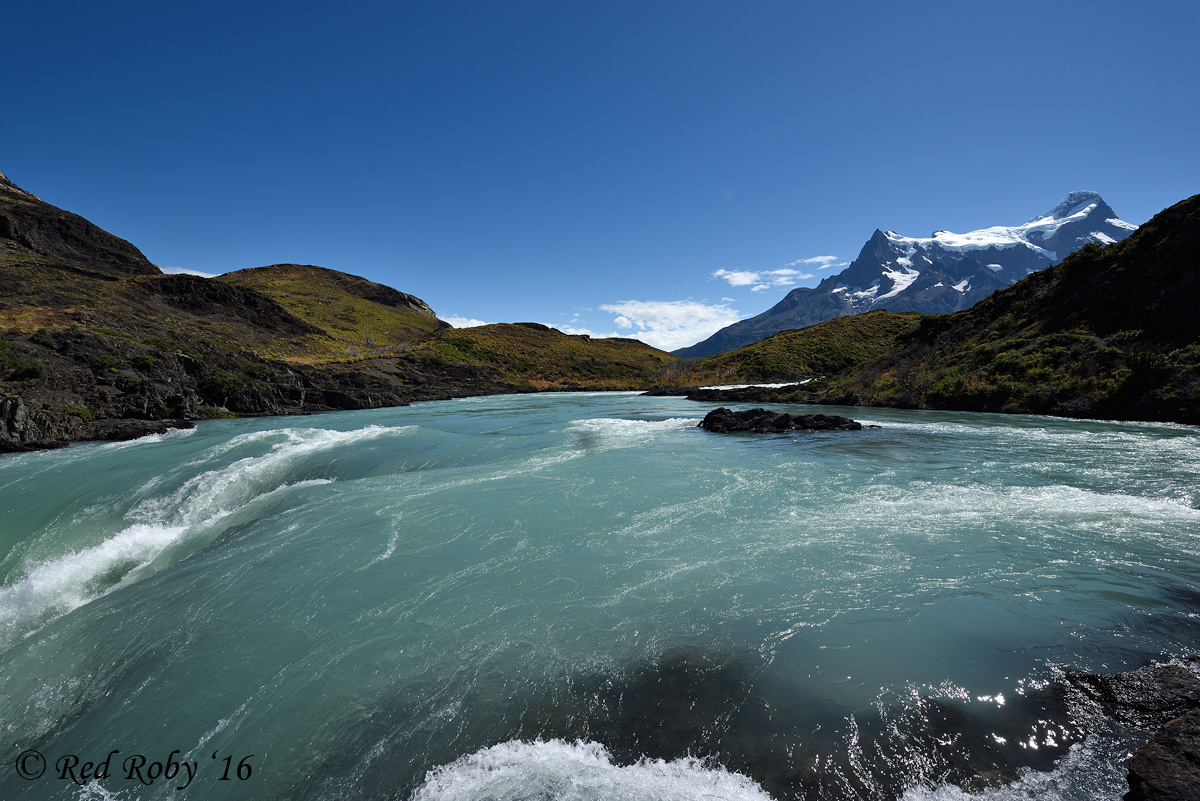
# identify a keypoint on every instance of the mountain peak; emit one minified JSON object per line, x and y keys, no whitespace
{"x":946,"y":272}
{"x":1072,"y":204}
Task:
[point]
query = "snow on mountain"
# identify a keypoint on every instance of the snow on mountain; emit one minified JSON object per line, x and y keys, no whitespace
{"x":1074,"y":208}
{"x":942,"y":273}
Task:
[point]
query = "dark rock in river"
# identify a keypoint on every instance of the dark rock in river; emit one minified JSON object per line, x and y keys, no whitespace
{"x":122,"y":430}
{"x":1165,"y":694}
{"x":1148,"y":696}
{"x":764,"y":421}
{"x":1168,"y":767}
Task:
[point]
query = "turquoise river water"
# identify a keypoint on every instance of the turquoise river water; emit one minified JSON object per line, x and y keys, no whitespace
{"x":584,"y":596}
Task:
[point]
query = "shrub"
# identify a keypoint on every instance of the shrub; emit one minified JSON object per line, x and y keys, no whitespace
{"x":25,"y":367}
{"x":162,"y":343}
{"x":43,"y":337}
{"x":20,"y":367}
{"x":145,"y":362}
{"x":107,"y":363}
{"x":219,"y":384}
{"x":82,"y":412}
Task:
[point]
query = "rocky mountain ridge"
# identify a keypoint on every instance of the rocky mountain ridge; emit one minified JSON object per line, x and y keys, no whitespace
{"x":1110,"y":332}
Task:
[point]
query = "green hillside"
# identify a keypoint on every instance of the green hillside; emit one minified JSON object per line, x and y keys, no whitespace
{"x":359,"y":317}
{"x":819,"y":350}
{"x":545,"y":358}
{"x":96,"y":343}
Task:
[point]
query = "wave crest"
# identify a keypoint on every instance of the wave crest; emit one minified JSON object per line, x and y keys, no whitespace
{"x":579,"y":771}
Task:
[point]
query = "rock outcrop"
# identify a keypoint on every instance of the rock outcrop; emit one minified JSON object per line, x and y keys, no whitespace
{"x":24,"y":430}
{"x":1164,"y":695}
{"x":1168,"y":767}
{"x":764,"y":421}
{"x":52,"y":233}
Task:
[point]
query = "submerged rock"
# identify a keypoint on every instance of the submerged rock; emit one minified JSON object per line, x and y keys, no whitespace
{"x":764,"y":421}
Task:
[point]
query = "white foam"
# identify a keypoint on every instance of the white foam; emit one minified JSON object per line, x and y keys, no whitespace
{"x":224,"y":488}
{"x":614,"y":432}
{"x":57,"y":586}
{"x":166,"y":436}
{"x":60,"y":585}
{"x":66,"y":581}
{"x":393,"y":541}
{"x":94,"y":791}
{"x":768,"y":386}
{"x":1095,"y":512}
{"x":579,"y":771}
{"x":1091,"y":771}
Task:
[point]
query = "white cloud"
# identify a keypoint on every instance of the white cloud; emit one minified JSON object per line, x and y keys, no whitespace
{"x":737,"y":277}
{"x":825,"y":261}
{"x":186,"y":271}
{"x":759,"y":280}
{"x":671,"y":324}
{"x":462,"y":322}
{"x":570,"y":329}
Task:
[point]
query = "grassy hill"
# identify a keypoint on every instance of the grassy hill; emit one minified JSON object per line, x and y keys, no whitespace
{"x":546,"y":358}
{"x":830,"y":347}
{"x":358,"y":317}
{"x":95,"y":341}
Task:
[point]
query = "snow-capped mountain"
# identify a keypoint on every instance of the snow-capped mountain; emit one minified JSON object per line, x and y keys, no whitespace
{"x":945,"y":272}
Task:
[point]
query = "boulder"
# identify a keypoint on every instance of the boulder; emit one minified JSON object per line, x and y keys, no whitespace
{"x":764,"y":421}
{"x":1168,"y":767}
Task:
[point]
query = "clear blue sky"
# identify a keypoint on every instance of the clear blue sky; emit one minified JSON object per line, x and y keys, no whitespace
{"x":511,"y":161}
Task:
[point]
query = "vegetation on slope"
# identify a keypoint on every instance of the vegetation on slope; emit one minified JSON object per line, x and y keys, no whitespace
{"x":538,"y":356}
{"x":358,"y":317}
{"x":94,"y":338}
{"x":804,"y":353}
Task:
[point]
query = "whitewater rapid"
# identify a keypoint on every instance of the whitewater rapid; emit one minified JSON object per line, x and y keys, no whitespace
{"x":586,"y":596}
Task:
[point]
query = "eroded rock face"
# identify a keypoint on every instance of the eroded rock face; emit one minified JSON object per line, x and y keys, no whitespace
{"x":22,"y":430}
{"x":764,"y":421}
